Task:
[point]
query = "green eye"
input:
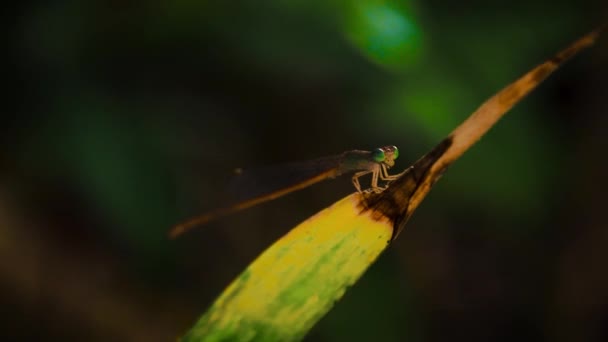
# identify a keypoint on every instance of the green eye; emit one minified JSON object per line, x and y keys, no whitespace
{"x":378,"y":155}
{"x":395,"y":152}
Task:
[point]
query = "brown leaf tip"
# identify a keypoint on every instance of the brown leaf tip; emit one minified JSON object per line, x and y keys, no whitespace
{"x":393,"y":204}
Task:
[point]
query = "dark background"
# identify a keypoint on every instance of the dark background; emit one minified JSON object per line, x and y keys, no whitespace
{"x":122,"y":118}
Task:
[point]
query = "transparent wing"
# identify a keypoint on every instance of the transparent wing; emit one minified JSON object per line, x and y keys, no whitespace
{"x":261,"y":181}
{"x":257,"y":185}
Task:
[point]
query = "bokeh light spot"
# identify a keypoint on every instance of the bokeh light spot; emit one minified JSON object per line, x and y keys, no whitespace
{"x":385,"y":34}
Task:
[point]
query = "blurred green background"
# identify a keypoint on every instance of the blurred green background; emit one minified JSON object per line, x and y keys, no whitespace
{"x":123,"y":118}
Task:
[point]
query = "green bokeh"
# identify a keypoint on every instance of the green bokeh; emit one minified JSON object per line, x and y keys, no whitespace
{"x":386,"y":32}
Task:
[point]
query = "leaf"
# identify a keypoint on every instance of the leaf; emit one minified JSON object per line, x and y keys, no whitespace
{"x":296,"y":281}
{"x":287,"y":289}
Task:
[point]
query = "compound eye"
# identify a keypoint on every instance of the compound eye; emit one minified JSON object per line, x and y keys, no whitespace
{"x":378,"y":155}
{"x":395,"y":152}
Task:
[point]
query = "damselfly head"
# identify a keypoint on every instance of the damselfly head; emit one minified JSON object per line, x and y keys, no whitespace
{"x":386,"y":155}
